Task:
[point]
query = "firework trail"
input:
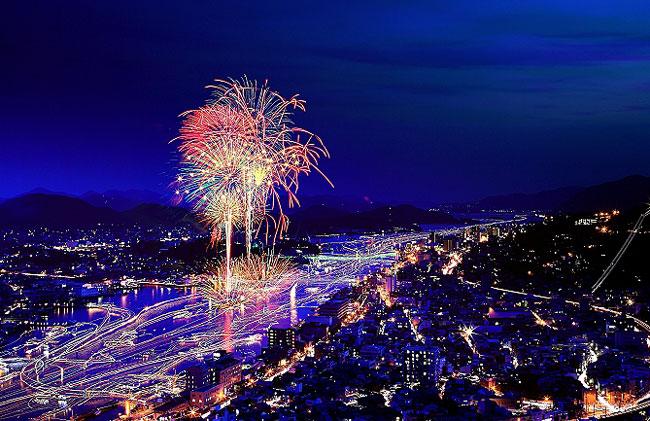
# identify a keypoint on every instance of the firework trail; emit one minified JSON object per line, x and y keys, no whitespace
{"x":240,"y":154}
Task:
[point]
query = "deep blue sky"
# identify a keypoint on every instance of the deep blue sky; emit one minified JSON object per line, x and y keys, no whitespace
{"x":435,"y":101}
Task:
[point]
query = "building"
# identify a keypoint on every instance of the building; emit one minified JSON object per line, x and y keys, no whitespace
{"x":422,"y":364}
{"x":196,"y":376}
{"x":336,"y":308}
{"x":372,"y":352}
{"x":449,"y":244}
{"x":313,"y":331}
{"x":631,"y":340}
{"x":281,"y":338}
{"x":390,"y":283}
{"x":223,"y":370}
{"x":323,"y":320}
{"x":206,"y":396}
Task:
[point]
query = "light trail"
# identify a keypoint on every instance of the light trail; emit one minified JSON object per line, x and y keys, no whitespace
{"x":126,"y":355}
{"x":621,"y":252}
{"x":119,"y":356}
{"x":541,"y":321}
{"x":41,"y":275}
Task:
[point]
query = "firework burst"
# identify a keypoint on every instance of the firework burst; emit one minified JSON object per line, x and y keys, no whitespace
{"x":282,"y":152}
{"x":267,"y":274}
{"x":240,"y":154}
{"x":252,"y":279}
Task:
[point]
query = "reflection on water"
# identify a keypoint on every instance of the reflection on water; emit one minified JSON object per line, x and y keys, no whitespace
{"x":134,"y":300}
{"x":339,"y":248}
{"x":227,"y":330}
{"x":292,"y":306}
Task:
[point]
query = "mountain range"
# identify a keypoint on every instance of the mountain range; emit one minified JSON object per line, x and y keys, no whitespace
{"x":324,"y":219}
{"x":626,"y":193}
{"x":122,"y":200}
{"x":119,"y":200}
{"x":317,"y":213}
{"x":57,"y":210}
{"x":64,"y":211}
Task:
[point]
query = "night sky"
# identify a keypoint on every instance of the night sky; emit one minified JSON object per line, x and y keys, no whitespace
{"x":439,"y":101}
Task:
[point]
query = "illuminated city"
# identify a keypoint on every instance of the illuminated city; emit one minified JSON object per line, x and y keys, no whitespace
{"x":272,"y":211}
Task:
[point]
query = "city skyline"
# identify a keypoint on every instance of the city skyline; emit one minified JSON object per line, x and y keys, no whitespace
{"x":446,"y":101}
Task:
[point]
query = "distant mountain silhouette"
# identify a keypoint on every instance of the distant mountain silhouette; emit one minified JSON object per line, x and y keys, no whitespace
{"x":53,"y":210}
{"x":153,"y":213}
{"x":63,"y":211}
{"x":321,"y":219}
{"x":66,"y":211}
{"x":42,"y":190}
{"x":627,"y":193}
{"x":326,"y":213}
{"x":345,"y":203}
{"x":544,"y":200}
{"x":121,"y":200}
{"x":317,"y":219}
